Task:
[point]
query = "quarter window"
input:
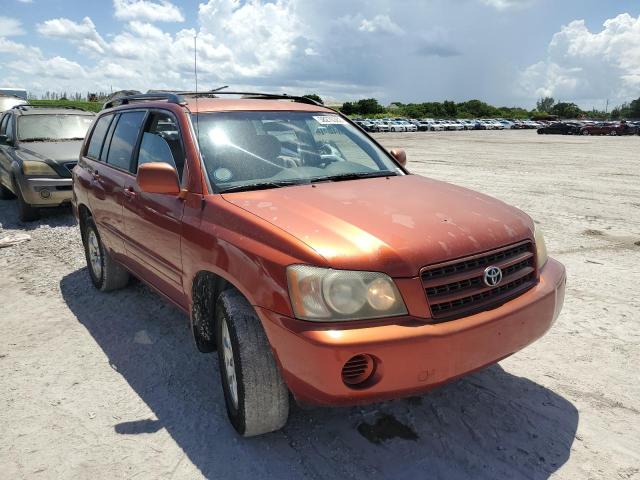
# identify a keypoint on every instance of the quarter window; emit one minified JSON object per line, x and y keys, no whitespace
{"x":97,"y":137}
{"x":125,"y":137}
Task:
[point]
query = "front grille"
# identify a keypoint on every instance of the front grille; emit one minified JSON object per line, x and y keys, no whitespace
{"x":455,"y":289}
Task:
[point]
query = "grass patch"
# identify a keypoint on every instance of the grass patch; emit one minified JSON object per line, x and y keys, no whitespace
{"x":90,"y":106}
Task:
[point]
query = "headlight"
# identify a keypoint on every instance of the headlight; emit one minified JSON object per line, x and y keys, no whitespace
{"x":323,"y":294}
{"x":541,"y":247}
{"x":32,"y":167}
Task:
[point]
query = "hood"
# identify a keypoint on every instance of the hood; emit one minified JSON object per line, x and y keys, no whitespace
{"x":396,"y":225}
{"x":60,"y":152}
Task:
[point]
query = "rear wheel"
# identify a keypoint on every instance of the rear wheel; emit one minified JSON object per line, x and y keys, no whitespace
{"x":26,"y":213}
{"x":255,"y":394}
{"x":585,"y":132}
{"x":105,"y":273}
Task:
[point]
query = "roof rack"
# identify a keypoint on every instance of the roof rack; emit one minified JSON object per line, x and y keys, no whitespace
{"x":177,"y":97}
{"x":145,"y":97}
{"x":254,"y":95}
{"x":28,"y":106}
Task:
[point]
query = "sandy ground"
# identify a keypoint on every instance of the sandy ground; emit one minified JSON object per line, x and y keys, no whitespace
{"x":97,"y":385}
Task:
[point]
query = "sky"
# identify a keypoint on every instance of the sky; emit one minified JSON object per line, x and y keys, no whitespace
{"x":504,"y":52}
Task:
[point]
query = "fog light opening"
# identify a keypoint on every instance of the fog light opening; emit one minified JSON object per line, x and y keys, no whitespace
{"x":45,"y":193}
{"x":358,"y":370}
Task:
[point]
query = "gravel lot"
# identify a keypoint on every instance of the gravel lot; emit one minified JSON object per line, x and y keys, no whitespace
{"x":97,"y":385}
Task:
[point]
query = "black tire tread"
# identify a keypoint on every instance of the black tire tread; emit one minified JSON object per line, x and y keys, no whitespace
{"x":263,"y":403}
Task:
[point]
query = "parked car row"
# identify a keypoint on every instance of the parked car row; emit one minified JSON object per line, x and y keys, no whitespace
{"x":591,"y":128}
{"x":436,"y":125}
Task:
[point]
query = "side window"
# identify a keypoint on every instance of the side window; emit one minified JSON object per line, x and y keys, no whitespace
{"x":97,"y":137}
{"x":161,"y":142}
{"x":125,"y":137}
{"x":9,"y":131}
{"x":3,"y":124}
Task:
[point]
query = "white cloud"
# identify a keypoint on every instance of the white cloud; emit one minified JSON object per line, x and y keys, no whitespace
{"x":147,"y":10}
{"x":261,"y":37}
{"x":588,"y":66}
{"x":83,"y":34}
{"x":380,"y":24}
{"x":507,"y":4}
{"x":10,"y":27}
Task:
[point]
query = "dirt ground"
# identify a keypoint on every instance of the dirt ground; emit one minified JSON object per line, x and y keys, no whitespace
{"x":96,"y":385}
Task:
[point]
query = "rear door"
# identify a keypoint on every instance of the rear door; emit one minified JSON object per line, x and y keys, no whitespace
{"x":110,"y":172}
{"x":153,"y":222}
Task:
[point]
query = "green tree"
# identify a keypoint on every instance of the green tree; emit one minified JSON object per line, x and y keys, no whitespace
{"x":315,"y":97}
{"x":566,"y":110}
{"x":545,"y":104}
{"x":634,"y":109}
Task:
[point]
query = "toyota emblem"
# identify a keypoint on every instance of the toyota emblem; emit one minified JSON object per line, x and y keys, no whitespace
{"x":492,"y":276}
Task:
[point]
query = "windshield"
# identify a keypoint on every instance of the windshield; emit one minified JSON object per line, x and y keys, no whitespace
{"x":255,"y":150}
{"x":51,"y":127}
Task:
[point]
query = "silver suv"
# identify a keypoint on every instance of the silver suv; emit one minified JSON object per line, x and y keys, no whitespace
{"x":39,"y":146}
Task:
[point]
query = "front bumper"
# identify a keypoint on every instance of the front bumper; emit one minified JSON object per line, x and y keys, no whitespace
{"x":412,"y":356}
{"x":45,"y":192}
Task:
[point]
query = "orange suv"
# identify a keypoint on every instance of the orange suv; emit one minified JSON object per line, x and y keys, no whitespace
{"x":304,"y":252}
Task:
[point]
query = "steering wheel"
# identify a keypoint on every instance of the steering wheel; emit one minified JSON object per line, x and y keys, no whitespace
{"x":330,"y":154}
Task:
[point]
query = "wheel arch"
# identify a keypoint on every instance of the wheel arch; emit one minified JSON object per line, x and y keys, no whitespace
{"x":205,"y":289}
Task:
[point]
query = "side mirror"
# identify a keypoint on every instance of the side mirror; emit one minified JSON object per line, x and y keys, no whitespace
{"x":400,"y":155}
{"x":158,"y":177}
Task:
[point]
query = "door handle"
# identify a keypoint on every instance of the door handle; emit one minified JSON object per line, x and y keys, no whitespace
{"x":130,"y":193}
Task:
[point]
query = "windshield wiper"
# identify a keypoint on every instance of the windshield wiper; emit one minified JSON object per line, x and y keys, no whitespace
{"x":38,"y":139}
{"x":354,"y":176}
{"x":49,"y":139}
{"x":262,"y":186}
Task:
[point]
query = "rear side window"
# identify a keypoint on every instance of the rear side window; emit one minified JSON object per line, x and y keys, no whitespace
{"x":97,"y":137}
{"x":125,"y":137}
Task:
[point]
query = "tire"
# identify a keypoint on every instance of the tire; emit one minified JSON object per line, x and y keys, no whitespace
{"x":613,"y":133}
{"x":585,"y":132}
{"x":5,"y":193}
{"x":105,"y":273}
{"x":26,"y":213}
{"x":260,"y":402}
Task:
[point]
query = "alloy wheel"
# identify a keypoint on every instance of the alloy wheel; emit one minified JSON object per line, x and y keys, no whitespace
{"x":229,"y":364}
{"x":95,"y":254}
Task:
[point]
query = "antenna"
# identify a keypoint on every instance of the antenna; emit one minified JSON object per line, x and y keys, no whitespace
{"x":195,"y":73}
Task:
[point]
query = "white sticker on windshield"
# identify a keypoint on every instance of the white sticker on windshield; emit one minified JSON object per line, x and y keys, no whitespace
{"x":330,"y":120}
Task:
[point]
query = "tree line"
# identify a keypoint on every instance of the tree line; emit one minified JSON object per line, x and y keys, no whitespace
{"x":545,"y":107}
{"x":370,"y":107}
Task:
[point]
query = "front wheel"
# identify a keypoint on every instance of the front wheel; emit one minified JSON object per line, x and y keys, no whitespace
{"x":255,"y":394}
{"x":585,"y":132}
{"x":105,"y":273}
{"x":26,"y":213}
{"x":5,"y":193}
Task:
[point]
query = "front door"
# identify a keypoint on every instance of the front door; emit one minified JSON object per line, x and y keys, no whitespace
{"x":6,"y":128}
{"x":153,"y":222}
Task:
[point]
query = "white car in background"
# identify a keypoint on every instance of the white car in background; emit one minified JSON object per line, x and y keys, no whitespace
{"x":382,"y":126}
{"x":396,"y":126}
{"x":408,"y":126}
